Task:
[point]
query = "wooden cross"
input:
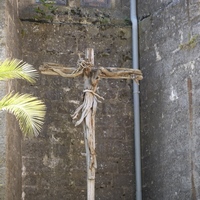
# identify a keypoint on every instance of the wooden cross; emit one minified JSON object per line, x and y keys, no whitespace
{"x":91,"y":75}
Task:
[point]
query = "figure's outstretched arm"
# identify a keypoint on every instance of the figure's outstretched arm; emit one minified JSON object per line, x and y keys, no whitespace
{"x":73,"y":75}
{"x":56,"y":69}
{"x":120,"y":73}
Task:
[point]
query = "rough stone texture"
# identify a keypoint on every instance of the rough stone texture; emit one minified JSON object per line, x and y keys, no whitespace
{"x":2,"y":92}
{"x":169,"y":50}
{"x":119,"y":9}
{"x":13,"y":136}
{"x":53,"y":166}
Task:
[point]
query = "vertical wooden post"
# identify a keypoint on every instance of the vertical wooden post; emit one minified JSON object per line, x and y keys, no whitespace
{"x":89,"y":129}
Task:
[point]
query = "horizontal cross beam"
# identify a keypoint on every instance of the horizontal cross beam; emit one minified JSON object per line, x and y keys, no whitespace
{"x":109,"y":72}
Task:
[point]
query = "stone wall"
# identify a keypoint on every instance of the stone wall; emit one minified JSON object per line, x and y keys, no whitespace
{"x":169,"y":59}
{"x":53,"y":165}
{"x":13,"y":136}
{"x":2,"y":92}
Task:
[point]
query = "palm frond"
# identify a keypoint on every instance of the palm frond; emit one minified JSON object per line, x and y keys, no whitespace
{"x":28,"y":110}
{"x":11,"y":69}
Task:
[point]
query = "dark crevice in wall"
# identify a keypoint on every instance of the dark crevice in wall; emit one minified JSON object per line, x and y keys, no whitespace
{"x":75,"y":23}
{"x":144,"y":17}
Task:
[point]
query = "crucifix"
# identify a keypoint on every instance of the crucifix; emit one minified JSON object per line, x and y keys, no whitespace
{"x":91,"y":75}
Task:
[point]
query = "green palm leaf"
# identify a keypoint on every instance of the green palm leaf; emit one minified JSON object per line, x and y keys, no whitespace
{"x":28,"y":110}
{"x":11,"y":69}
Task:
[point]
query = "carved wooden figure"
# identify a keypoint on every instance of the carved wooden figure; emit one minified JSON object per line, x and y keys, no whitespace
{"x":91,"y":76}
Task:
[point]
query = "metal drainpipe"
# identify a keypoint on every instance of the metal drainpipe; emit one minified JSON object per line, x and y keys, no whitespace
{"x":136,"y":101}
